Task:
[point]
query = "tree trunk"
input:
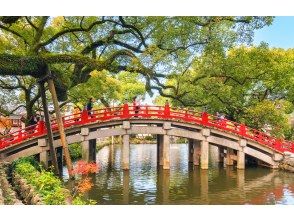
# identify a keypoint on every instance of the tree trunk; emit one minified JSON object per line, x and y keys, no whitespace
{"x":49,"y":130}
{"x":29,"y":107}
{"x":60,"y":127}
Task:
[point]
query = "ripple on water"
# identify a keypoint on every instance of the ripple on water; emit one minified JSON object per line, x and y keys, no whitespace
{"x":183,"y":183}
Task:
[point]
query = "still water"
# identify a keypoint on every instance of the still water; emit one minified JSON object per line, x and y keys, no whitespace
{"x":184,"y":183}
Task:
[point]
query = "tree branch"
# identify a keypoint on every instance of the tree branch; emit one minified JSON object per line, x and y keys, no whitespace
{"x":30,"y":22}
{"x":14,"y":33}
{"x":61,"y":33}
{"x":124,"y":24}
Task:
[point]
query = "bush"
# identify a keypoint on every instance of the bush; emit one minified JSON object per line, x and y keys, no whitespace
{"x":75,"y":151}
{"x":31,"y":160}
{"x":80,"y":201}
{"x":45,"y":183}
{"x":149,"y":138}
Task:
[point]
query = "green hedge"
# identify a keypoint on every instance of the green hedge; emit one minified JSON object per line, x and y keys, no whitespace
{"x":45,"y":183}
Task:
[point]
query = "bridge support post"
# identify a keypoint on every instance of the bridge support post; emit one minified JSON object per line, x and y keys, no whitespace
{"x":196,"y":153}
{"x":162,"y":185}
{"x":125,"y":163}
{"x":190,"y":150}
{"x":126,"y":186}
{"x":241,"y":155}
{"x":159,"y":150}
{"x":240,"y":160}
{"x":88,"y":147}
{"x":166,"y":147}
{"x":166,"y":152}
{"x":126,"y":152}
{"x":204,"y":150}
{"x":221,"y":155}
{"x":214,"y":153}
{"x":44,"y":159}
{"x":229,"y":157}
{"x":204,"y":186}
{"x":59,"y":155}
{"x":204,"y":155}
{"x":43,"y":156}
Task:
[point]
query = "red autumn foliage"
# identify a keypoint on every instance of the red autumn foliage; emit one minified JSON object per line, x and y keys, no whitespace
{"x":84,"y":168}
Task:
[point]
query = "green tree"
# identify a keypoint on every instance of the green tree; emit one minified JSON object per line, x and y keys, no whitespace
{"x":108,"y":88}
{"x":247,"y":84}
{"x":73,"y":47}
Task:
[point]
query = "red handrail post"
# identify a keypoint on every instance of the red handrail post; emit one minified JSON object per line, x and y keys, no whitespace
{"x":84,"y":117}
{"x":41,"y":127}
{"x":126,"y":112}
{"x":278,"y":145}
{"x":242,"y":130}
{"x":19,"y":136}
{"x":146,"y":111}
{"x":260,"y":137}
{"x":186,"y":115}
{"x":291,"y":149}
{"x":105,"y":114}
{"x":166,"y":110}
{"x":204,"y":118}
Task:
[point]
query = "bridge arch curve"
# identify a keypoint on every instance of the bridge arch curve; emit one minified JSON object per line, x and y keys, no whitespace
{"x":202,"y":135}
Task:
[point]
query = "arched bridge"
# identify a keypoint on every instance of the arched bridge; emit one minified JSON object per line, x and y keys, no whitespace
{"x":233,"y":140}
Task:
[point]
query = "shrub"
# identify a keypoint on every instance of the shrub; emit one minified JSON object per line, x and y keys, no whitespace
{"x":45,"y":183}
{"x":75,"y":151}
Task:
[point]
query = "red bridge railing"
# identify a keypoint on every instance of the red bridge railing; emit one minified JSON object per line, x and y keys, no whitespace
{"x":161,"y":112}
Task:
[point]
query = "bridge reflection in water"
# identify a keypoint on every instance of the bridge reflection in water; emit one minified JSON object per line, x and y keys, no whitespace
{"x":184,"y":183}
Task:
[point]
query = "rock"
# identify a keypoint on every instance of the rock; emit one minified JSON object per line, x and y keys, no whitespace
{"x":36,"y":199}
{"x":1,"y":197}
{"x":287,"y":163}
{"x":290,"y":162}
{"x":18,"y":202}
{"x":289,"y":154}
{"x":30,"y":195}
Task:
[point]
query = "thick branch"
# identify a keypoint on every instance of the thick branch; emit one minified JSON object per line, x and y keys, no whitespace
{"x":124,"y":24}
{"x":63,"y":32}
{"x":14,"y":33}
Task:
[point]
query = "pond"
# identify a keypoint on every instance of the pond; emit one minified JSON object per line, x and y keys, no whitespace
{"x":184,"y":183}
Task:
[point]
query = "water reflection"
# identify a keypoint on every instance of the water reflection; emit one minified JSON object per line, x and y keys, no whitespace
{"x":184,"y":183}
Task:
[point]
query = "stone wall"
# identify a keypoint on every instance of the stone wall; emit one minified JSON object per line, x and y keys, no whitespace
{"x":1,"y":196}
{"x":288,"y":162}
{"x":26,"y":191}
{"x":7,"y":194}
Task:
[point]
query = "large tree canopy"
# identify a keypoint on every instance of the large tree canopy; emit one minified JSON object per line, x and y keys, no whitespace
{"x":74,"y":47}
{"x":249,"y":84}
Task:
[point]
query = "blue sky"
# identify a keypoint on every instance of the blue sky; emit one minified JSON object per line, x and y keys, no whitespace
{"x":279,"y":34}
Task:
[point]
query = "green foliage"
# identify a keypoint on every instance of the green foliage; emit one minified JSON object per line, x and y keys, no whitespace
{"x":246,"y":84}
{"x":106,"y":87}
{"x":78,"y":200}
{"x":74,"y":47}
{"x":269,"y":113}
{"x":26,"y":161}
{"x":46,"y":183}
{"x":75,"y":151}
{"x":56,"y":197}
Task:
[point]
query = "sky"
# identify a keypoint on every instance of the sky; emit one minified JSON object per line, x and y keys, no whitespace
{"x":279,"y":34}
